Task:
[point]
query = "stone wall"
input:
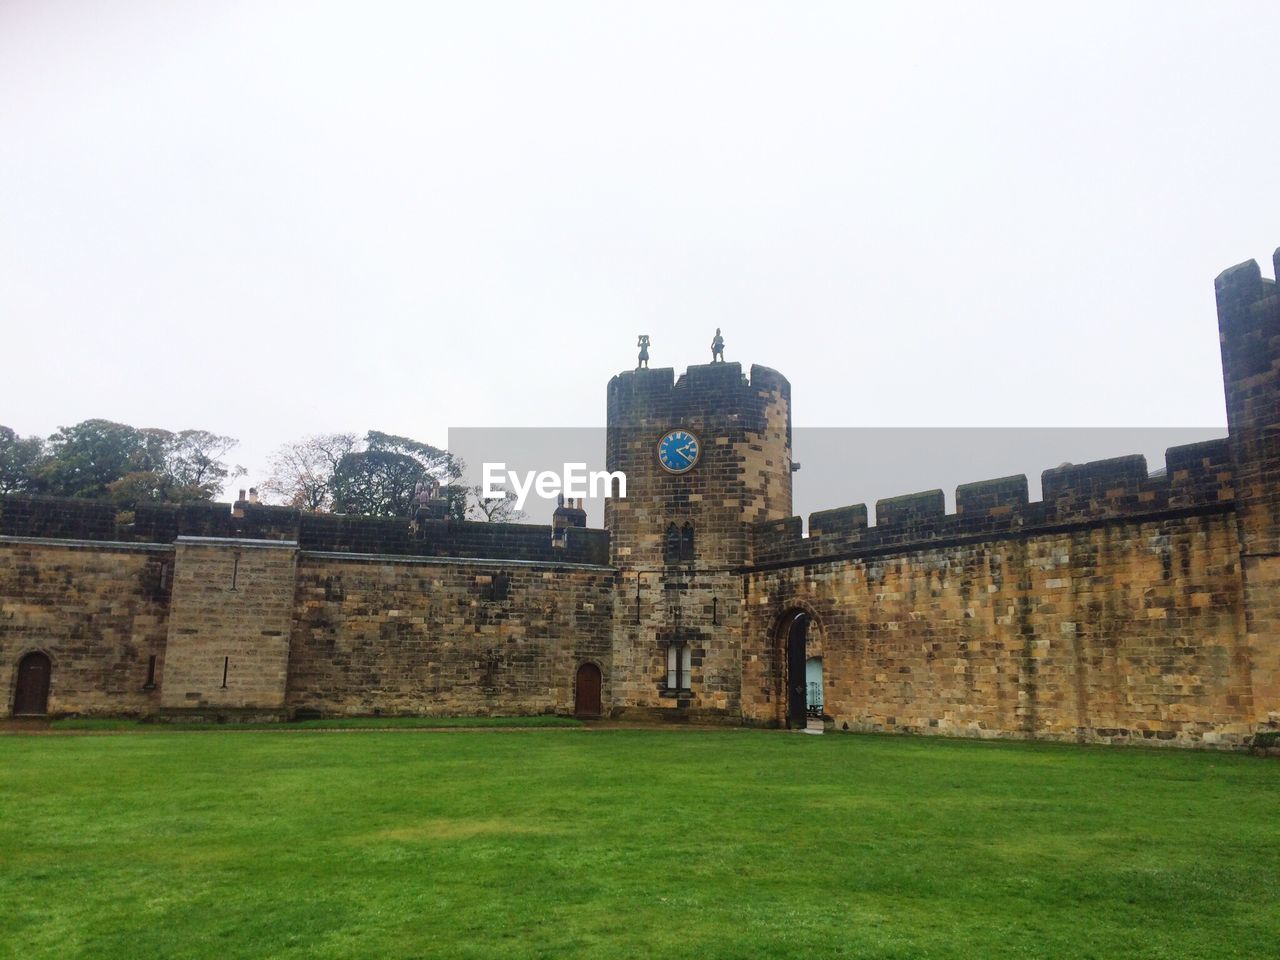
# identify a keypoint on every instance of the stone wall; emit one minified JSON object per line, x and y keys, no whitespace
{"x":24,"y":515}
{"x":229,"y":625}
{"x":99,"y":611}
{"x":450,"y":538}
{"x":59,"y":517}
{"x":1197,"y":477}
{"x":248,"y":629}
{"x":1114,"y":631}
{"x":428,"y":636}
{"x":699,"y":608}
{"x":1110,"y":610}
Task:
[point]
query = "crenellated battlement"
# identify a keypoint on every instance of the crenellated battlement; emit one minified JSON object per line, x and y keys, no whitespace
{"x":1004,"y":495}
{"x":1244,"y":286}
{"x":1197,"y":477}
{"x":704,"y":390}
{"x":1236,"y":473}
{"x":697,"y":377}
{"x":54,"y":518}
{"x":67,"y":518}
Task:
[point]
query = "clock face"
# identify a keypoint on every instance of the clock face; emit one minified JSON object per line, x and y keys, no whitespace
{"x":678,"y":451}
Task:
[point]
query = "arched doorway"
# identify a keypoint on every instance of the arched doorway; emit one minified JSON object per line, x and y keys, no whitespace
{"x":31,"y":696}
{"x":796,"y":627}
{"x":586,"y":696}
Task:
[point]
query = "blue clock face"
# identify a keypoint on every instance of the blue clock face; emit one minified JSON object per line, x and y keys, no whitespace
{"x":678,"y":451}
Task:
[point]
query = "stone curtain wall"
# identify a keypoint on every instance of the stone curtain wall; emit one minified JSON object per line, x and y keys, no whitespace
{"x":342,"y":635}
{"x":451,"y":538}
{"x":419,"y":636}
{"x":65,"y":518}
{"x":99,"y":611}
{"x":229,"y":624}
{"x":61,"y":518}
{"x":1112,"y":610}
{"x":1119,"y":632}
{"x":1197,"y":477}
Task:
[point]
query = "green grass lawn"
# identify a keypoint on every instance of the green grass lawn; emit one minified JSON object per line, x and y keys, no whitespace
{"x":626,"y":843}
{"x":333,"y":723}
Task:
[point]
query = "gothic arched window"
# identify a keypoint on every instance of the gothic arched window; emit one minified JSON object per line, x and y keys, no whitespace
{"x":671,"y":546}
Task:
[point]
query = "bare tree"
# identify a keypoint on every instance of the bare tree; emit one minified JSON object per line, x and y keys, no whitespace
{"x":197,"y":462}
{"x":302,"y":472}
{"x":493,"y":509}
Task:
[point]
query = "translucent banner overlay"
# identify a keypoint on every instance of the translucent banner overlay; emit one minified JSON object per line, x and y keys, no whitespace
{"x":840,"y":466}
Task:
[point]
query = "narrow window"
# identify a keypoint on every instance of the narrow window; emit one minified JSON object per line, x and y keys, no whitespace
{"x":226,"y":665}
{"x":679,"y":660}
{"x":671,"y":547}
{"x":686,"y":542}
{"x":151,"y":673}
{"x":500,"y":586}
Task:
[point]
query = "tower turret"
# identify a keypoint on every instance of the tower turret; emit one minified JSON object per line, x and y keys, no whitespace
{"x":1249,"y":329}
{"x":740,"y":429}
{"x":705,"y":456}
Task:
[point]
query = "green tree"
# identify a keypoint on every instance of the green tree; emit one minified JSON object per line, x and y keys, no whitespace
{"x":380,"y":480}
{"x":86,"y":458}
{"x":100,"y":458}
{"x":456,"y":495}
{"x":19,"y":461}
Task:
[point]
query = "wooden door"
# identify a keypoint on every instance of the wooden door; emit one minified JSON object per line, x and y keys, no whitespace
{"x":32,"y":695}
{"x":798,"y":633}
{"x":586,"y":700}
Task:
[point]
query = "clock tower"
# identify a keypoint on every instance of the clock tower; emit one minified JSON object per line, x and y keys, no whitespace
{"x":705,"y":456}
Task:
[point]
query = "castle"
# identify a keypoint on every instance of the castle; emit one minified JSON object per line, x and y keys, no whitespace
{"x":1123,"y":607}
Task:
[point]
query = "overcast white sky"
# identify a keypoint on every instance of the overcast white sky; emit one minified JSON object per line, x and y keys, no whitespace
{"x":275,"y":219}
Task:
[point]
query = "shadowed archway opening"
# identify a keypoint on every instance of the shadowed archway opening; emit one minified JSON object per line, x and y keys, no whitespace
{"x":793,"y":633}
{"x":31,"y":694}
